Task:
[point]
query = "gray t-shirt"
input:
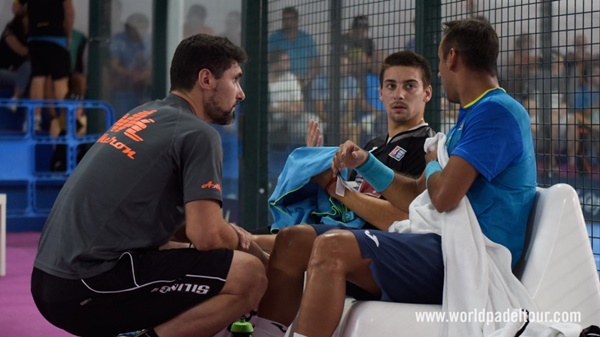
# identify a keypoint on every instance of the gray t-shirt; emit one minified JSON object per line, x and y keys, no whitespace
{"x":129,"y":191}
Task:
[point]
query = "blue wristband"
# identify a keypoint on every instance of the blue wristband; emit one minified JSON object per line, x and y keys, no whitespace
{"x":431,"y":168}
{"x":376,"y":173}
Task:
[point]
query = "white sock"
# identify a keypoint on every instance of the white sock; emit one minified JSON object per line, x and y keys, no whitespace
{"x":298,"y":335}
{"x":267,"y":328}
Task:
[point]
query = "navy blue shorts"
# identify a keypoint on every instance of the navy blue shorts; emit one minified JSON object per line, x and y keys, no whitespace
{"x":408,"y":268}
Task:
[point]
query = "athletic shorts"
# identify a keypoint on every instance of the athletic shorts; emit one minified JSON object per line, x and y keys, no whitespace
{"x":48,"y":58}
{"x":143,"y":290}
{"x":408,"y":268}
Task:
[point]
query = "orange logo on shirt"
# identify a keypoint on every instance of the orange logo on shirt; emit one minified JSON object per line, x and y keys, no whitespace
{"x":132,"y":124}
{"x":210,"y":184}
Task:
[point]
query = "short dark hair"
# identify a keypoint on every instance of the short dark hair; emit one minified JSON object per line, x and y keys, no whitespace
{"x":290,"y":10}
{"x":476,"y":41}
{"x":407,"y":58}
{"x":202,"y":51}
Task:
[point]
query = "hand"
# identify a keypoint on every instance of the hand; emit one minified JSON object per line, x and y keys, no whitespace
{"x":313,"y":134}
{"x":349,"y":155}
{"x":244,"y":237}
{"x":431,"y":156}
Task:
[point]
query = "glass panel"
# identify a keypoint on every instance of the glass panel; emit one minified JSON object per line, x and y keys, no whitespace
{"x":128,"y":69}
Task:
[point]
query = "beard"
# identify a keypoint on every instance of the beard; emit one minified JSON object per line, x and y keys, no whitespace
{"x":218,"y":115}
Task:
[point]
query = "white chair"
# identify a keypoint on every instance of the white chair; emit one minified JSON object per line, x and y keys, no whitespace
{"x":557,"y":268}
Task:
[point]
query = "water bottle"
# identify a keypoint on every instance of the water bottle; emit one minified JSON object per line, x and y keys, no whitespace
{"x":241,"y":328}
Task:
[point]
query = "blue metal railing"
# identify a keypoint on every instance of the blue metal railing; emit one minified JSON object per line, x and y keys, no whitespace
{"x":32,"y":187}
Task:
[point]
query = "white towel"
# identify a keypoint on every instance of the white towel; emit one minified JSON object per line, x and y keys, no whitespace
{"x":478,"y":273}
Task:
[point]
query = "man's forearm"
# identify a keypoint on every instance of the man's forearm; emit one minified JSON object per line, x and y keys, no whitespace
{"x":378,"y":212}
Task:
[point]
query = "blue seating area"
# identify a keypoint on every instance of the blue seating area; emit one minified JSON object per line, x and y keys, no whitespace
{"x":25,"y":175}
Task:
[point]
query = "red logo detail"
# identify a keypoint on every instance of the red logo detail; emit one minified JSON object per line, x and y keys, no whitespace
{"x":210,"y":184}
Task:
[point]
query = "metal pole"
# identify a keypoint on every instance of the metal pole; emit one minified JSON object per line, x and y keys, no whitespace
{"x":253,"y":179}
{"x":333,"y":118}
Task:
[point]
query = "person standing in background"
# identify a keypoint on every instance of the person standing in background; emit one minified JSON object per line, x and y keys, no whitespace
{"x":233,"y":24}
{"x":300,"y":46}
{"x":15,"y":68}
{"x":50,"y":26}
{"x":195,"y":22}
{"x":129,"y":64}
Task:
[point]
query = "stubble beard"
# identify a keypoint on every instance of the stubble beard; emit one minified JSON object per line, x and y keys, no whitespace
{"x":217,"y":115}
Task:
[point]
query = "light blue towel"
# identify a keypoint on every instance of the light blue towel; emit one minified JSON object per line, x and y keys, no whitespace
{"x":296,"y":199}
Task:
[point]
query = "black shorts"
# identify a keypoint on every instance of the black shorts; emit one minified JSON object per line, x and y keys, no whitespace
{"x":142,"y":291}
{"x":48,"y":58}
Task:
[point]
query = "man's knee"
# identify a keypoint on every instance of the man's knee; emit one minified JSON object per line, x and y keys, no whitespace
{"x":294,"y":238}
{"x":246,"y":277}
{"x":330,"y":251}
{"x":292,"y":247}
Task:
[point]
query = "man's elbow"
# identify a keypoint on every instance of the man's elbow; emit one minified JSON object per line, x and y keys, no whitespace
{"x":443,"y":203}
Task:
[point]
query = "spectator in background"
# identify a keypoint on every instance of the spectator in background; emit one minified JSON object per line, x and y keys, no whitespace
{"x":116,"y":22}
{"x":300,"y":46}
{"x":411,"y":44}
{"x":50,"y":25}
{"x":195,"y":22}
{"x":233,"y":24}
{"x":589,"y":101}
{"x":522,"y":66}
{"x":321,"y":91}
{"x":550,"y":120}
{"x":77,"y":89}
{"x":578,"y":67}
{"x":286,"y":103}
{"x":130,"y":64}
{"x":15,"y":68}
{"x":361,"y":52}
{"x":587,"y":95}
{"x":449,"y":112}
{"x":370,"y":112}
{"x":358,"y":37}
{"x":77,"y":78}
{"x":582,"y":56}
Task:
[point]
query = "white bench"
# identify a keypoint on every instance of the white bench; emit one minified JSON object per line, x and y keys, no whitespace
{"x":557,"y":268}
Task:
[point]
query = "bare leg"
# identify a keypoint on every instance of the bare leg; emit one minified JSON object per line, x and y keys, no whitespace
{"x":286,"y":273}
{"x":246,"y":283}
{"x":36,"y":91}
{"x":61,"y":88}
{"x":336,"y":257}
{"x":266,"y":242}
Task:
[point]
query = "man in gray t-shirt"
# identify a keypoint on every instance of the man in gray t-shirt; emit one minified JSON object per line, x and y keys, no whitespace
{"x":106,"y":261}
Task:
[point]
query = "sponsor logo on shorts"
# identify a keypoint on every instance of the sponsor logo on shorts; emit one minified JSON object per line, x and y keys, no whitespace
{"x":372,"y":237}
{"x":201,"y":289}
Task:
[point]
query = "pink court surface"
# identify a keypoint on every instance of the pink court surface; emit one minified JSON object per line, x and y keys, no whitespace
{"x":18,"y":315}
